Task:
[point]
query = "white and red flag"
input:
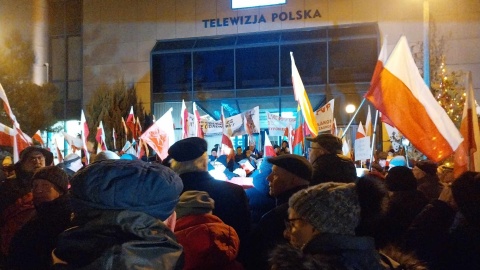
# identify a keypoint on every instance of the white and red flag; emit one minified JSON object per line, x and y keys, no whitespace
{"x":59,"y":152}
{"x":184,"y":120}
{"x":400,"y":93}
{"x":100,"y":137}
{"x":160,"y":136}
{"x":467,"y":156}
{"x":114,"y":137}
{"x":268,"y":148}
{"x":360,"y":131}
{"x":130,"y":122}
{"x":227,"y":144}
{"x":38,"y":137}
{"x":198,"y":126}
{"x":368,"y":123}
{"x":84,"y":134}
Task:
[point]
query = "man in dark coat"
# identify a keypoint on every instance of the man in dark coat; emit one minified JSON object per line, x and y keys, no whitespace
{"x":328,"y":162}
{"x":290,"y":173}
{"x":189,"y":160}
{"x":31,"y":247}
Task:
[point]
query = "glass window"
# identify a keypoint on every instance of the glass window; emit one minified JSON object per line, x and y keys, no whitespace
{"x":352,"y":60}
{"x":311,"y":62}
{"x":74,"y":17}
{"x":74,"y":90}
{"x":213,"y":70}
{"x":257,"y":67}
{"x":172,"y":72}
{"x":56,"y":17}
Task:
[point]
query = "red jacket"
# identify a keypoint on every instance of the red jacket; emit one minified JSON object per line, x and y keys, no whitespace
{"x":208,"y":242}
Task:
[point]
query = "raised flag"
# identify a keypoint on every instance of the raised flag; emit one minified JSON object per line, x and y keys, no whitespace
{"x":360,"y":131}
{"x":467,"y":156}
{"x":125,"y":129}
{"x":368,"y":123}
{"x":268,"y":147}
{"x":84,"y":134}
{"x":59,"y":152}
{"x":198,"y":127}
{"x":227,"y":144}
{"x":100,"y":137}
{"x":400,"y":93}
{"x":334,"y":130}
{"x":114,"y":137}
{"x":130,"y":122}
{"x":298,"y":137}
{"x":138,"y":128}
{"x":184,"y":120}
{"x":160,"y":136}
{"x":38,"y":137}
{"x":302,"y":98}
{"x":74,"y":142}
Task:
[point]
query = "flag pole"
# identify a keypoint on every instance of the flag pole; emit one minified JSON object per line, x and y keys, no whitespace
{"x":353,"y":118}
{"x":374,"y":133}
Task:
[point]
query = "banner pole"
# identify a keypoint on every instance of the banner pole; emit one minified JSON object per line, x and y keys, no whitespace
{"x":353,"y":118}
{"x":374,"y":133}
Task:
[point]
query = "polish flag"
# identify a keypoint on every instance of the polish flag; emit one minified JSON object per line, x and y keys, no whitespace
{"x":59,"y":152}
{"x":125,"y":129}
{"x":400,"y":93}
{"x":38,"y":137}
{"x":184,"y":120}
{"x":138,"y":128}
{"x":302,"y":98}
{"x":114,"y":137}
{"x":360,"y":131}
{"x":84,"y":131}
{"x":227,"y":144}
{"x":268,"y":148}
{"x":467,"y":156}
{"x":100,"y":137}
{"x":198,"y":126}
{"x":334,"y":130}
{"x":130,"y":122}
{"x":160,"y":136}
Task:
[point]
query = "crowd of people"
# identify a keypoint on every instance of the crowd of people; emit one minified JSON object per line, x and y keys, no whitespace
{"x":119,"y":212}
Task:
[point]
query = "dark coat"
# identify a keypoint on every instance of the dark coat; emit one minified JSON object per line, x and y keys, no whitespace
{"x":333,"y":251}
{"x":32,"y":246}
{"x":117,"y":239}
{"x":430,"y":186}
{"x":269,"y":232}
{"x":259,"y":200}
{"x":231,"y":204}
{"x":436,"y":238}
{"x":333,"y":168}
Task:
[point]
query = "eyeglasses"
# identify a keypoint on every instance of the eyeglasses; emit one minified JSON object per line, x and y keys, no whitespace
{"x":289,"y":222}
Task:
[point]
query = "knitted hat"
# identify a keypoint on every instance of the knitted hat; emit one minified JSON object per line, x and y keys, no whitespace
{"x":428,"y":166}
{"x":397,"y":161}
{"x":7,"y":161}
{"x":329,"y":142}
{"x":194,"y":202}
{"x":188,"y":149}
{"x":54,"y":175}
{"x":330,"y":207}
{"x":294,"y":164}
{"x":400,"y":179}
{"x":133,"y":185}
{"x":27,"y":151}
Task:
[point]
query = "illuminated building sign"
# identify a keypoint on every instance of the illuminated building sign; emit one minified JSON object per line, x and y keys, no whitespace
{"x":255,"y":3}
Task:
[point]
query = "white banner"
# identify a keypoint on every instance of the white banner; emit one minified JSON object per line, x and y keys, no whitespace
{"x":324,"y":117}
{"x":236,"y":125}
{"x":362,"y":148}
{"x":277,"y":124}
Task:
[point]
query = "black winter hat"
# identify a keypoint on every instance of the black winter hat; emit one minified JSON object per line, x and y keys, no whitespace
{"x":27,"y":151}
{"x":188,"y":149}
{"x":466,"y":192}
{"x":294,"y":164}
{"x":400,"y":178}
{"x":329,"y":142}
{"x":428,"y":166}
{"x":54,"y":175}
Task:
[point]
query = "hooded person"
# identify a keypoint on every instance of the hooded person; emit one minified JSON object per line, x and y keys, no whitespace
{"x":119,"y":207}
{"x":208,"y":242}
{"x":321,"y":224}
{"x":290,"y":173}
{"x":32,"y":245}
{"x":189,"y":159}
{"x":328,"y":163}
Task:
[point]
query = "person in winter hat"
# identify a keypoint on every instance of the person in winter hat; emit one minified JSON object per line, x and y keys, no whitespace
{"x":321,"y":223}
{"x":31,"y":247}
{"x":208,"y":242}
{"x":119,"y":208}
{"x":425,"y":172}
